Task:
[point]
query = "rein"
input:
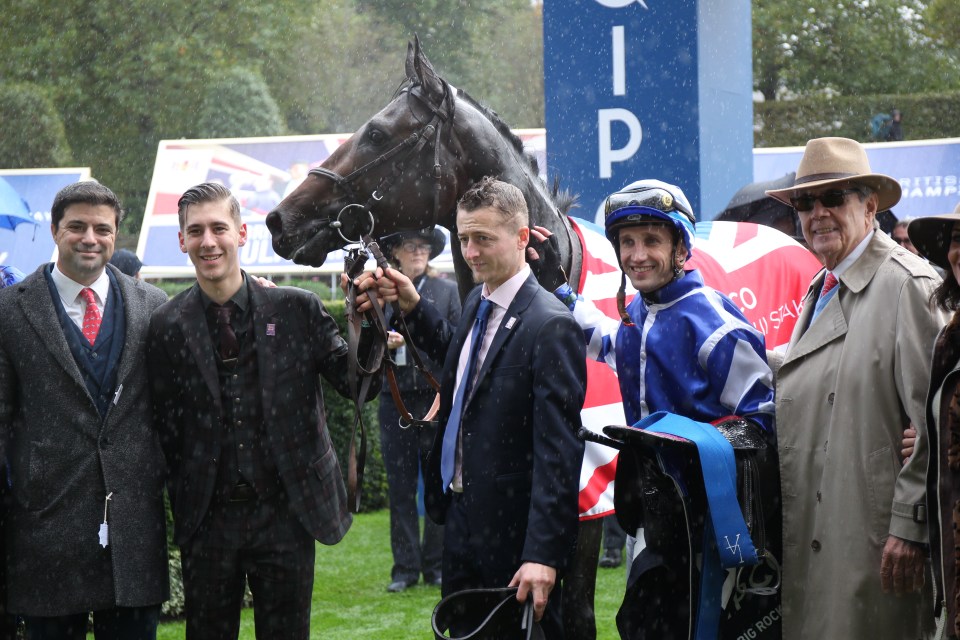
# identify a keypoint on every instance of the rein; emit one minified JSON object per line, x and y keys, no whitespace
{"x":361,"y":376}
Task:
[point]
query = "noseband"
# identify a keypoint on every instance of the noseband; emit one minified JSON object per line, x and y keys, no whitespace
{"x":409,"y":147}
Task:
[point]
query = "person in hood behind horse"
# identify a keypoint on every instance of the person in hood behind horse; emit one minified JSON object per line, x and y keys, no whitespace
{"x":410,"y":252}
{"x":679,"y":346}
{"x":855,"y":373}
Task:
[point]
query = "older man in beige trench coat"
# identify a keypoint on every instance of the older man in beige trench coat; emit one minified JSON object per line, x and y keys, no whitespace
{"x":854,"y":375}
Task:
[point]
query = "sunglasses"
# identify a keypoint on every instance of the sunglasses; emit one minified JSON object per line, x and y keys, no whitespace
{"x":829,"y":199}
{"x":901,"y":241}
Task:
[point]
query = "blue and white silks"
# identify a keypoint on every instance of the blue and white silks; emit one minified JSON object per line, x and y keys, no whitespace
{"x":691,"y":353}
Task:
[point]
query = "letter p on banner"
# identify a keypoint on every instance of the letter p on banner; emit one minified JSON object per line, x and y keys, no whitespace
{"x":608,"y":155}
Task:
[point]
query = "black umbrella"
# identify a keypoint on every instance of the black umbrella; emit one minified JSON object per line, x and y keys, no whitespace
{"x":752,"y":204}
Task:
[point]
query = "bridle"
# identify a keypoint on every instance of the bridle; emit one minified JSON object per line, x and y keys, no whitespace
{"x":411,"y":146}
{"x":361,"y":376}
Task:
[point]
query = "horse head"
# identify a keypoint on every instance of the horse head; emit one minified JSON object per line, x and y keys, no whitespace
{"x":400,"y":170}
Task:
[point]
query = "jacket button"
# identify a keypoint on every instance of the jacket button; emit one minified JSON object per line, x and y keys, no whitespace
{"x":830,"y":398}
{"x":815,"y":545}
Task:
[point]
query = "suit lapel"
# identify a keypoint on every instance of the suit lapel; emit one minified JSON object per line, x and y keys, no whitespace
{"x":134,"y":301}
{"x":827,"y":327}
{"x":265,"y":325}
{"x":196,"y":334}
{"x":39,"y":309}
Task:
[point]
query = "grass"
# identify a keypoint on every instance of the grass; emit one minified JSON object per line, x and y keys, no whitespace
{"x":350,"y":598}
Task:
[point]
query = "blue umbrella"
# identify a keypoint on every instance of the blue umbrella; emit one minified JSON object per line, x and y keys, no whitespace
{"x":14,"y":210}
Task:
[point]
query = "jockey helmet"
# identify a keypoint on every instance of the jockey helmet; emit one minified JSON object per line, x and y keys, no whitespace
{"x":649,"y":201}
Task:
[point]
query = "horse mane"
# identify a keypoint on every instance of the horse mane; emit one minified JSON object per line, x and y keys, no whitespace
{"x":563,"y":199}
{"x":499,"y":124}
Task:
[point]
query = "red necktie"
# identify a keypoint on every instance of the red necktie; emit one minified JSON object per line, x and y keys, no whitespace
{"x":828,"y":284}
{"x":91,"y":317}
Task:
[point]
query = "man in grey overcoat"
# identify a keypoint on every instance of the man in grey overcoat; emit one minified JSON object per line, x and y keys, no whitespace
{"x":86,"y":529}
{"x":854,"y":376}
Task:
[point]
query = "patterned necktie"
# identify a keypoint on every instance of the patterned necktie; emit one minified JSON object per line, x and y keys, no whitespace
{"x":448,"y":452}
{"x":229,"y":347}
{"x":828,"y":284}
{"x":91,"y":316}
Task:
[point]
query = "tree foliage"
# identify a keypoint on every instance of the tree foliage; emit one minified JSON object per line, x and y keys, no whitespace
{"x":31,"y":130}
{"x":943,"y":18}
{"x":126,"y":75}
{"x":123,"y":76}
{"x":847,"y":47}
{"x":238,"y":103}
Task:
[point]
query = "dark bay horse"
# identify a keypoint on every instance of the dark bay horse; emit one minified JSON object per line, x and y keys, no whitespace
{"x":407,"y":166}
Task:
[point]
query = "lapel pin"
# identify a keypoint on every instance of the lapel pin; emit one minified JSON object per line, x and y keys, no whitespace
{"x":271,"y":329}
{"x":510,"y":321}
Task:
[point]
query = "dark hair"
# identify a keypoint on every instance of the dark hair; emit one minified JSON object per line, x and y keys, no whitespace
{"x":207,"y":192}
{"x":87,"y":192}
{"x":947,"y":295}
{"x":501,"y":196}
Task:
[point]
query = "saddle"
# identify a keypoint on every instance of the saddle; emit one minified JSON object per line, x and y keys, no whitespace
{"x":661,"y":495}
{"x":485,"y":614}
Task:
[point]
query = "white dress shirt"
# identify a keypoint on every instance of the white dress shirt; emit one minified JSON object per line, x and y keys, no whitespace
{"x":69,"y":291}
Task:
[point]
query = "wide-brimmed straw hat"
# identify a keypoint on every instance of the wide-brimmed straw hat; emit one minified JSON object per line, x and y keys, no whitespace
{"x":829,"y":161}
{"x":931,"y":236}
{"x":433,"y":235}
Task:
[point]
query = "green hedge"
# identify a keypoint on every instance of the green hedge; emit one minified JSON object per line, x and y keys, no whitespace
{"x":790,"y":123}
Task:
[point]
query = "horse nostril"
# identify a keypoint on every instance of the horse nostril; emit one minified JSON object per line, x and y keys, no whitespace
{"x":274,"y":223}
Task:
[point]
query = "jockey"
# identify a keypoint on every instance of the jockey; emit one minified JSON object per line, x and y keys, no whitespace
{"x":680,"y":346}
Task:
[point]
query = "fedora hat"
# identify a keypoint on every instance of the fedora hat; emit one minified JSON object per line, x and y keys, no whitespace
{"x":828,"y":161}
{"x":433,"y":235}
{"x":931,"y":236}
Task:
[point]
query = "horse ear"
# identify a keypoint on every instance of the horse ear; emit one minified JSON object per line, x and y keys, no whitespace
{"x":425,"y":74}
{"x":411,"y":55}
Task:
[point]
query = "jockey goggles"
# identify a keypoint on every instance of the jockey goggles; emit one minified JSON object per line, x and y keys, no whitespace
{"x":636,"y":204}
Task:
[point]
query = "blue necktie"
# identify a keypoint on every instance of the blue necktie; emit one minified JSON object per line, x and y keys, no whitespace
{"x":449,"y":450}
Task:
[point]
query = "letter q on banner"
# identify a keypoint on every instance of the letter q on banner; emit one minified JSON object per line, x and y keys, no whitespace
{"x":620,"y":4}
{"x":605,"y":117}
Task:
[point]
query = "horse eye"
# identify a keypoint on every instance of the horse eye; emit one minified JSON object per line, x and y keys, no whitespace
{"x":377,"y":137}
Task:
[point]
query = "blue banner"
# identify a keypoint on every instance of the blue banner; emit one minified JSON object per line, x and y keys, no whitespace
{"x":640,"y":89}
{"x":928,"y":171}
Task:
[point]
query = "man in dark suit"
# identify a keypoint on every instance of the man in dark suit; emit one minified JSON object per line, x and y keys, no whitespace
{"x":86,"y":529}
{"x":505,"y":466}
{"x":253,"y":478}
